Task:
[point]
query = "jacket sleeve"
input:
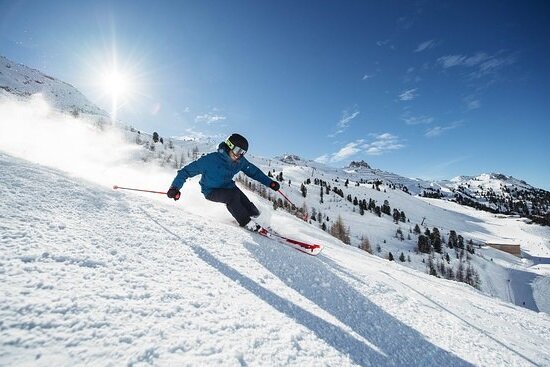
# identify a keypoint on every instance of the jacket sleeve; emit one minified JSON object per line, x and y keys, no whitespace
{"x":192,"y":169}
{"x":255,"y":173}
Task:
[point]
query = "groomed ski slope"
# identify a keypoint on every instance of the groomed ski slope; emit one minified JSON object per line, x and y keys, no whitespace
{"x":93,"y":276}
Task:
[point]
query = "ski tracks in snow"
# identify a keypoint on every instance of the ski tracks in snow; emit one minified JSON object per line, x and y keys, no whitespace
{"x":94,"y":277}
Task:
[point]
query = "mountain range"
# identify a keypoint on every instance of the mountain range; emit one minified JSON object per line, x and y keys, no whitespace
{"x":95,"y":276}
{"x":378,"y":210}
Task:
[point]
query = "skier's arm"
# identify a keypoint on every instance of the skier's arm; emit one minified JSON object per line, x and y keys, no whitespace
{"x":192,"y":169}
{"x":255,"y":173}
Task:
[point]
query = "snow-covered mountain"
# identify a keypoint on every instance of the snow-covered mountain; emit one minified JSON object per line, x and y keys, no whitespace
{"x":364,"y":199}
{"x":23,"y":81}
{"x":93,"y":276}
{"x":496,"y":193}
{"x":492,"y":192}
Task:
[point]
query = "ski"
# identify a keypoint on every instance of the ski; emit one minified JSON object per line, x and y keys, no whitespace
{"x":307,"y":248}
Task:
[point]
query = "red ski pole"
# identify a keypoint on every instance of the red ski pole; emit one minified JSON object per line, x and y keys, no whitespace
{"x":287,"y":199}
{"x":291,"y":203}
{"x":115,"y":187}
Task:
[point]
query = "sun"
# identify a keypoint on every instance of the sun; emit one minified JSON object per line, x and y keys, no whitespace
{"x":115,"y":83}
{"x":118,"y":80}
{"x":119,"y":86}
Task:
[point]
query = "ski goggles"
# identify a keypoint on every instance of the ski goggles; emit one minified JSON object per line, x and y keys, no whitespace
{"x":238,"y":151}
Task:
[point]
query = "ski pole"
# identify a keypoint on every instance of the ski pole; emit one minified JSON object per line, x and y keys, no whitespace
{"x":291,"y":203}
{"x":287,"y":199}
{"x":115,"y":187}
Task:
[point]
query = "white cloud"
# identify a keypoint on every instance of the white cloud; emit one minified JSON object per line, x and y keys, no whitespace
{"x":347,"y":151}
{"x":451,"y":60}
{"x":473,"y":104}
{"x":482,"y":62}
{"x":366,"y":76}
{"x":385,"y":43}
{"x":425,"y":46}
{"x":325,"y":158}
{"x":345,"y":120}
{"x":417,"y":120}
{"x":408,"y":95}
{"x":438,"y":130}
{"x":383,"y":143}
{"x":209,"y":118}
{"x":380,"y":144}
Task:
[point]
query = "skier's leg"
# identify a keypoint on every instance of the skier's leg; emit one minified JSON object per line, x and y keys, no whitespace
{"x":232,"y":200}
{"x":252,"y":209}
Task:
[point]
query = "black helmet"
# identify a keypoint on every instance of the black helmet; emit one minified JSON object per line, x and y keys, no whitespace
{"x":237,"y":143}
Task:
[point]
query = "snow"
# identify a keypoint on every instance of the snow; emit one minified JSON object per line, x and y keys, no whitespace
{"x":94,"y":276}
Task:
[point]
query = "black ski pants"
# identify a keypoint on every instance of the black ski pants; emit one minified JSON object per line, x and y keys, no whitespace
{"x":236,"y":202}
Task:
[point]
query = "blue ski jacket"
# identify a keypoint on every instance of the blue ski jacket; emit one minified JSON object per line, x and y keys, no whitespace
{"x":217,"y":170}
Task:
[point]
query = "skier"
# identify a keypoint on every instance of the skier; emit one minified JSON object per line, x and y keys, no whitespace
{"x":217,"y":170}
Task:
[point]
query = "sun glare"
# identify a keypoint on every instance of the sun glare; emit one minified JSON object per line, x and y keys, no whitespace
{"x":119,"y":86}
{"x":115,"y":83}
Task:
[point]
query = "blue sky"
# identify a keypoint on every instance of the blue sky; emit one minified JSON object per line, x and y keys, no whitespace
{"x":429,"y":89}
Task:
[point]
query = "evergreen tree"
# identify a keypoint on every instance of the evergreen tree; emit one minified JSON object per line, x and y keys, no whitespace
{"x":417,"y":230}
{"x":399,"y":234}
{"x":453,"y":239}
{"x":436,"y":240}
{"x":372,"y":205}
{"x":402,"y":257}
{"x":386,"y":208}
{"x":390,"y":256}
{"x":155,"y":137}
{"x":303,"y":189}
{"x":402,"y":217}
{"x":395,"y":215}
{"x":460,"y":242}
{"x":424,"y":244}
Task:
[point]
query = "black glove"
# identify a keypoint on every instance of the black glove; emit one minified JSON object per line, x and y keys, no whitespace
{"x":274,"y":185}
{"x":173,"y":193}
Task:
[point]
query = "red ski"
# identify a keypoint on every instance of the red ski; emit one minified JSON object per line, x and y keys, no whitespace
{"x":307,"y":248}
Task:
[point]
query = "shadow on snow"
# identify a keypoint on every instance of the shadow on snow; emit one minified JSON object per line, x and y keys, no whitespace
{"x":397,"y":343}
